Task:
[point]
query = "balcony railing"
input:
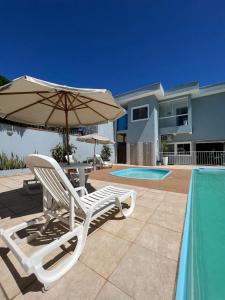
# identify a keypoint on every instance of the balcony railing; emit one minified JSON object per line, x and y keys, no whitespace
{"x":206,"y":158}
{"x":173,"y":121}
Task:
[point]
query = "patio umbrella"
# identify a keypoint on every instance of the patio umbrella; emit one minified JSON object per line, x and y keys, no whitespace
{"x":95,"y":139}
{"x":36,"y":102}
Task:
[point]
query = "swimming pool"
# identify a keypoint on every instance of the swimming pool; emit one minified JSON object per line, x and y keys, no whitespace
{"x":142,"y":173}
{"x":202,"y":262}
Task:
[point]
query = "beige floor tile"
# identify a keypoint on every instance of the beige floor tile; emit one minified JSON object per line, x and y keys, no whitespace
{"x":10,"y":183}
{"x":150,"y":201}
{"x":142,"y":213}
{"x":155,"y":194}
{"x":167,"y":220}
{"x":4,"y":188}
{"x":161,"y":240}
{"x":80,"y":283}
{"x":156,"y":191}
{"x":110,"y":292}
{"x":127,"y":229}
{"x":10,"y":222}
{"x":173,"y":204}
{"x":145,"y":275}
{"x":103,"y":251}
{"x":176,"y":196}
{"x":13,"y":278}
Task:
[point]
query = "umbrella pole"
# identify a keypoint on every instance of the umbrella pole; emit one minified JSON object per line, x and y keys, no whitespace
{"x":67,"y":135}
{"x":94,"y":156}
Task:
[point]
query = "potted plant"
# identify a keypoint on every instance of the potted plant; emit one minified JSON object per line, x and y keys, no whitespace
{"x":165,"y":154}
{"x":59,"y":152}
{"x":106,"y":153}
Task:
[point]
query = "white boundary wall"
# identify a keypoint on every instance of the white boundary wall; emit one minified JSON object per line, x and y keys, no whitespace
{"x":25,"y":141}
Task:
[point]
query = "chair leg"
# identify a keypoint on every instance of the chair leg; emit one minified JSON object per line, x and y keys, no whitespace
{"x":126,"y":212}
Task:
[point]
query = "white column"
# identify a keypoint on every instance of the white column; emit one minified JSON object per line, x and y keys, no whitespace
{"x":140,"y":153}
{"x":128,"y":153}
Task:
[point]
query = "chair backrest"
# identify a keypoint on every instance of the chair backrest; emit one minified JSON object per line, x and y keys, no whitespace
{"x":52,"y":177}
{"x":71,"y":158}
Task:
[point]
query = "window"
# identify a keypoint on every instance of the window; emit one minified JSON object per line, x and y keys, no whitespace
{"x":170,"y":148}
{"x":177,"y":148}
{"x":139,"y":113}
{"x":183,"y":149}
{"x":182,"y":116}
{"x":173,"y":113}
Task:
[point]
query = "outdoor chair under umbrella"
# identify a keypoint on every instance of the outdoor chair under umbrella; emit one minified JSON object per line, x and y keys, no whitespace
{"x":36,"y":102}
{"x":95,"y":139}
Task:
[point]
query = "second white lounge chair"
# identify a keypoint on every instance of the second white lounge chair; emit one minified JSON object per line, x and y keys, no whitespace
{"x":102,"y":163}
{"x":59,"y":196}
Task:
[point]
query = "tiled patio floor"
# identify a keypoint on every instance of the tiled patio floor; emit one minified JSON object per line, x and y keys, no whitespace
{"x":134,"y":258}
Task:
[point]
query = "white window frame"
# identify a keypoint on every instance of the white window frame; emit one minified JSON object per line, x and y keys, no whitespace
{"x":177,"y":143}
{"x":184,"y":143}
{"x":136,"y":107}
{"x":175,"y":115}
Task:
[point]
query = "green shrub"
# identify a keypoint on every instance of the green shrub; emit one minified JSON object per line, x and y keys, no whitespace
{"x":59,"y":152}
{"x":106,"y":153}
{"x":12,"y":162}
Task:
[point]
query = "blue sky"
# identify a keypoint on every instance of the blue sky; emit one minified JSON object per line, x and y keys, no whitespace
{"x":118,"y":45}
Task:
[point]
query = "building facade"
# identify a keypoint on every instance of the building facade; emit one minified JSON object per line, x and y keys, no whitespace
{"x":186,"y":123}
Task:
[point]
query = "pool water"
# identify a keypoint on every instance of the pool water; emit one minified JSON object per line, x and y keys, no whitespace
{"x":205,"y":261}
{"x":142,"y":173}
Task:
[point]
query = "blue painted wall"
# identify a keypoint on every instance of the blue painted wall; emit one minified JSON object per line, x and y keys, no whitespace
{"x":146,"y":130}
{"x":208,"y":118}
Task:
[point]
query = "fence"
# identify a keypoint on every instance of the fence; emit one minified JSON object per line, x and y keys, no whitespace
{"x":207,"y":158}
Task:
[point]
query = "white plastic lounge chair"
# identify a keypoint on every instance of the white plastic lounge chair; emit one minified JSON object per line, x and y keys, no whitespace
{"x":102,"y":163}
{"x":59,"y":195}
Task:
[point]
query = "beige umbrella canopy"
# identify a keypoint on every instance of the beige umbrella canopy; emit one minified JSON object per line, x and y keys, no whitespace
{"x":95,"y":139}
{"x":33,"y":101}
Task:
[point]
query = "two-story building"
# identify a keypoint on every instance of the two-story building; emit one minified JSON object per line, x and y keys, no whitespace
{"x":187,"y":123}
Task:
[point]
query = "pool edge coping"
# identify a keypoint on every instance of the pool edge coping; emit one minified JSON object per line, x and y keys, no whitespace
{"x":164,"y":177}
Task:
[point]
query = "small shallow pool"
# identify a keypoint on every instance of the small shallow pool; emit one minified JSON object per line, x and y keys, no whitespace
{"x":142,"y":173}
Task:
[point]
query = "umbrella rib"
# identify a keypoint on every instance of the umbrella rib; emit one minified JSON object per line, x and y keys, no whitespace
{"x":54,"y":108}
{"x":76,"y":98}
{"x":99,"y":101}
{"x":81,"y":103}
{"x":49,"y":105}
{"x":27,"y":106}
{"x":72,"y":102}
{"x":87,"y":106}
{"x":54,"y":104}
{"x":25,"y":93}
{"x":75,"y":113}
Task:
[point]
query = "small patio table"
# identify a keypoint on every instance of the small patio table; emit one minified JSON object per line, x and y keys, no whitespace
{"x":81,"y":170}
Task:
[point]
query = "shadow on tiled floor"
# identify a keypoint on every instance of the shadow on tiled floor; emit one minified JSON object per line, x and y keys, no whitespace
{"x":17,"y":202}
{"x":19,"y":206}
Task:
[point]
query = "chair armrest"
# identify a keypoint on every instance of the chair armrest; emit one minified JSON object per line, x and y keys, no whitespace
{"x":80,"y":188}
